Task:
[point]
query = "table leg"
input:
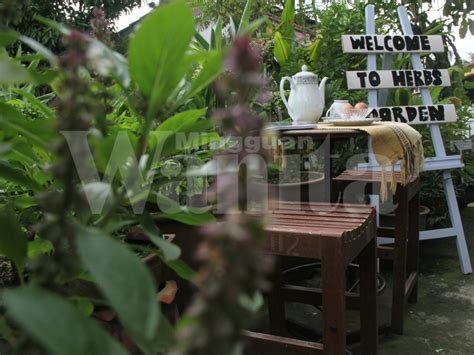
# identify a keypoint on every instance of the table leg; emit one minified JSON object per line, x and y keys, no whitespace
{"x":414,"y":244}
{"x":368,"y":298}
{"x":276,"y":302}
{"x":327,"y":146}
{"x":400,"y":260}
{"x":334,"y":298}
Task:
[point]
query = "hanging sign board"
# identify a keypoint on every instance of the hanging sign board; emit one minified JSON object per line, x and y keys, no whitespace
{"x":392,"y":44}
{"x":423,"y":114}
{"x":389,"y":79}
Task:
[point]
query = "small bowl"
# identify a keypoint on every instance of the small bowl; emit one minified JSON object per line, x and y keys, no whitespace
{"x":353,"y":114}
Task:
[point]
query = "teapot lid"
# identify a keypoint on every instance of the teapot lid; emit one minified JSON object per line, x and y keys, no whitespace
{"x":304,"y":73}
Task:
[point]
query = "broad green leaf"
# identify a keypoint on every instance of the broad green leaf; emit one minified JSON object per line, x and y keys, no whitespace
{"x":313,"y":50}
{"x":281,"y":49}
{"x":469,"y":85}
{"x":7,"y":37}
{"x":57,"y":324}
{"x":17,"y":176}
{"x":402,"y":97}
{"x":157,"y":49}
{"x":463,"y":29}
{"x":165,"y":337}
{"x":170,"y":251}
{"x":59,"y":27}
{"x":24,"y":201}
{"x":232,"y":27}
{"x":200,"y":42}
{"x":254,"y":25}
{"x":174,"y":133}
{"x":39,"y":246}
{"x":218,"y":35}
{"x":84,"y":305}
{"x":38,"y":132}
{"x":435,"y":92}
{"x":181,"y":269}
{"x":13,"y":241}
{"x":211,"y":67}
{"x":39,"y":48}
{"x":245,"y":19}
{"x":287,"y":20}
{"x":471,"y":26}
{"x":12,"y":72}
{"x":125,"y":282}
{"x":33,"y":100}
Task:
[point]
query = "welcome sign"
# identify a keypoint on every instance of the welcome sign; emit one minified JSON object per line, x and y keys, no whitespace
{"x":392,"y":44}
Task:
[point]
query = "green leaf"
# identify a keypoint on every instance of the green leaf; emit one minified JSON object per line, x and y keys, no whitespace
{"x":435,"y":92}
{"x":211,"y":67}
{"x":232,"y":27}
{"x":17,"y":176}
{"x":39,"y":246}
{"x":39,"y":48}
{"x":165,"y":336}
{"x":281,"y":49}
{"x":313,"y":50}
{"x":469,"y":85}
{"x":471,"y":26}
{"x":463,"y":29}
{"x":125,"y":282}
{"x":254,"y":25}
{"x":12,"y":72}
{"x":402,"y":97}
{"x":57,"y":324}
{"x":245,"y":19}
{"x":13,"y":241}
{"x":172,"y":135}
{"x":84,"y":305}
{"x":24,"y":201}
{"x":200,"y":41}
{"x":157,"y":49}
{"x":287,"y":20}
{"x":218,"y":35}
{"x":59,"y":27}
{"x":182,"y":269}
{"x":7,"y":37}
{"x":42,"y":107}
{"x":38,"y":132}
{"x":170,"y":251}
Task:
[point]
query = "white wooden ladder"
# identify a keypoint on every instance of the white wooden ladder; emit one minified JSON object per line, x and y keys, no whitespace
{"x":441,"y":162}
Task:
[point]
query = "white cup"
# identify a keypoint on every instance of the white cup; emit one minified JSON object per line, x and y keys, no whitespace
{"x":335,"y":109}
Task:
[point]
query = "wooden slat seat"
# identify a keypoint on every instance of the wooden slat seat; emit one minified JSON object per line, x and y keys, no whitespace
{"x":336,"y":234}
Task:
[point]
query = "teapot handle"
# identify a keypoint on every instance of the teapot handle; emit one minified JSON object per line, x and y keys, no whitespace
{"x":282,"y":92}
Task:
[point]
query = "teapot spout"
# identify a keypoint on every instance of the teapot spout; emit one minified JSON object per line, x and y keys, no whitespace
{"x":322,"y":89}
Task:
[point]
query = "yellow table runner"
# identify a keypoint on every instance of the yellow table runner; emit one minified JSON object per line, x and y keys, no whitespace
{"x":391,"y":142}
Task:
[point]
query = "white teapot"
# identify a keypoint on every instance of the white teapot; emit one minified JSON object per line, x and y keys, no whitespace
{"x":306,"y":101}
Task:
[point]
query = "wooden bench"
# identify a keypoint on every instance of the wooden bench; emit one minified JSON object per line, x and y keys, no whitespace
{"x":405,"y":251}
{"x":336,"y":234}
